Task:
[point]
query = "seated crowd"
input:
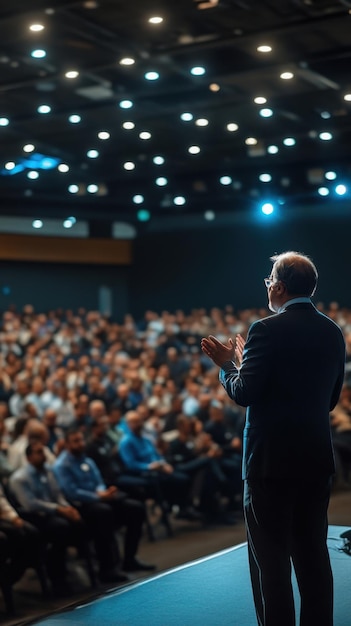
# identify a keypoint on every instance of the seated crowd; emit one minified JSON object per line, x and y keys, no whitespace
{"x":99,"y":418}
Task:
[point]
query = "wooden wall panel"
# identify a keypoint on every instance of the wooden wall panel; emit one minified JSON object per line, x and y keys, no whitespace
{"x":65,"y":250}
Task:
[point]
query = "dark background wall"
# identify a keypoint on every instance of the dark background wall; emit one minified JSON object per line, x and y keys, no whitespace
{"x":70,"y":286}
{"x":226,"y":265}
{"x":211,"y":266}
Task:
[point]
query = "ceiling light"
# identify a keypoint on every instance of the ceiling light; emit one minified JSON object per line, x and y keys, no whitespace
{"x":156,"y":20}
{"x":289,"y":141}
{"x":260,"y":100}
{"x":72,"y":74}
{"x":92,"y":188}
{"x":63,"y":168}
{"x":179,"y":200}
{"x":161,"y":181}
{"x":323,"y":191}
{"x":209,"y":216}
{"x":158,"y":160}
{"x":325,"y":115}
{"x":347,"y":97}
{"x":152,"y":76}
{"x":103,"y":134}
{"x":129,"y":166}
{"x":4,"y":121}
{"x":214,"y":87}
{"x":186,"y":117}
{"x":44,"y":108}
{"x":264,"y":48}
{"x":340,"y":190}
{"x":198,"y":70}
{"x":10,"y":165}
{"x":143,"y":215}
{"x":267,"y":208}
{"x":92,"y":154}
{"x":127,"y":61}
{"x":232,"y":127}
{"x":33,"y":175}
{"x":74,"y":119}
{"x":36,"y":28}
{"x":38,"y":54}
{"x":28,"y":147}
{"x":202,"y":121}
{"x":73,"y":188}
{"x":37,"y":224}
{"x":272,"y":149}
{"x":128,"y":125}
{"x":194,"y":149}
{"x":325,"y":136}
{"x":330,"y":175}
{"x":145,"y":135}
{"x":71,"y":219}
{"x":126,"y":104}
{"x":251,"y":141}
{"x":287,"y":75}
{"x":67,"y":223}
{"x":225,"y":180}
{"x":138,"y":199}
{"x":265,"y":178}
{"x":266,"y":112}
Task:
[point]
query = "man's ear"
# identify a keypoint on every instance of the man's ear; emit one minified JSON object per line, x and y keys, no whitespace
{"x":280,"y":287}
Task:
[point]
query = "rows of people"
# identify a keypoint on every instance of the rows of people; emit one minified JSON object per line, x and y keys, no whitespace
{"x":99,"y":417}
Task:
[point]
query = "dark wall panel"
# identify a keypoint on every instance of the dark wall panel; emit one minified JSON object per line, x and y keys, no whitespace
{"x":51,"y":285}
{"x":186,"y":269}
{"x":220,"y":266}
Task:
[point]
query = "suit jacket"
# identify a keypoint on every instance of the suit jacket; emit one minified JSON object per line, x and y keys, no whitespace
{"x":290,"y":379}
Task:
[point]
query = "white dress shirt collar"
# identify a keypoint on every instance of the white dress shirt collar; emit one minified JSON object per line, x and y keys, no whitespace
{"x":293,"y":301}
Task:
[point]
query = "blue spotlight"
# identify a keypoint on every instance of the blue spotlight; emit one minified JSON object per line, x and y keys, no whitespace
{"x":341,"y":190}
{"x":267,"y":208}
{"x":143,"y":215}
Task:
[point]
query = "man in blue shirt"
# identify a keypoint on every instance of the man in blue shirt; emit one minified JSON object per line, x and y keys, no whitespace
{"x":141,"y":458}
{"x":103,"y":508}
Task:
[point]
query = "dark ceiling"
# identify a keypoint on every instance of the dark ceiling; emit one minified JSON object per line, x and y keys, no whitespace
{"x":310,"y":38}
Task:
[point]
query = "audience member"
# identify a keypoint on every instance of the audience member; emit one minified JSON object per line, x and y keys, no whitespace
{"x":34,"y":430}
{"x":18,"y":400}
{"x":230,"y":445}
{"x":55,"y":433}
{"x":103,"y":508}
{"x":104,"y":452}
{"x":6,"y":468}
{"x":37,"y":493}
{"x":141,"y":458}
{"x":23,"y":540}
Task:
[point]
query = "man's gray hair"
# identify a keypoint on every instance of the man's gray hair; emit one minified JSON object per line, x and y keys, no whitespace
{"x":297,"y":272}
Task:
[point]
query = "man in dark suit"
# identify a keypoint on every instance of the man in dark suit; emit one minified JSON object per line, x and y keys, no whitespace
{"x":289,"y":377}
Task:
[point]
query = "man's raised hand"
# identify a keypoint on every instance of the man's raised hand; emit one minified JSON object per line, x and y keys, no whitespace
{"x":218,"y":351}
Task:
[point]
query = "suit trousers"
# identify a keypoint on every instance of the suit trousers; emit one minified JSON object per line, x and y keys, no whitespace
{"x":286,"y":523}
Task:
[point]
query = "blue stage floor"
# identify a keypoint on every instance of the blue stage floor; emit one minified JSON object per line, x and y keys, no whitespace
{"x":213,"y":591}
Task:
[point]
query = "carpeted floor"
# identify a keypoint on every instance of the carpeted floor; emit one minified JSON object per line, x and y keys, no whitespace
{"x":211,"y":591}
{"x":190,"y":542}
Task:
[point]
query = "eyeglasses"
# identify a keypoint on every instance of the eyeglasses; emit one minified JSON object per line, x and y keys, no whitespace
{"x":268,"y":282}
